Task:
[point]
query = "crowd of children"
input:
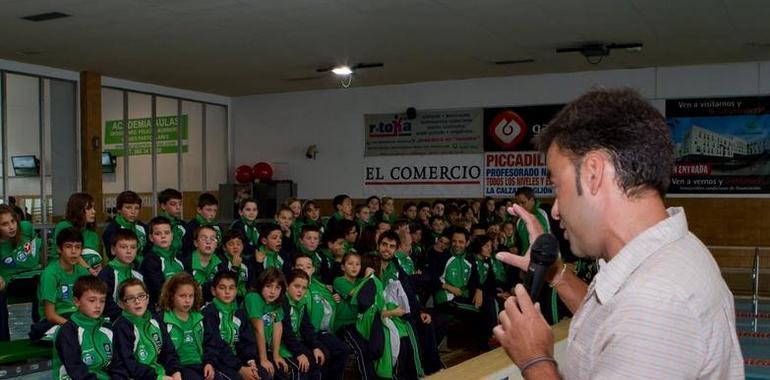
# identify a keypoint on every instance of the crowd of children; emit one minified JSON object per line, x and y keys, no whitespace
{"x":293,"y":298}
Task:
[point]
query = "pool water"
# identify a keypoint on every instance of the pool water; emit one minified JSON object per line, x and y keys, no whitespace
{"x":754,"y":336}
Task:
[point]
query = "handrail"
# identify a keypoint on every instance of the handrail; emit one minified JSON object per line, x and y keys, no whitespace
{"x":755,"y":294}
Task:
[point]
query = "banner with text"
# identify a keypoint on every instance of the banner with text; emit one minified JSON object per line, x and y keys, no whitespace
{"x":505,"y":172}
{"x":513,"y":128}
{"x":430,"y":132}
{"x":722,"y":145}
{"x":140,"y":135}
{"x":424,"y":176}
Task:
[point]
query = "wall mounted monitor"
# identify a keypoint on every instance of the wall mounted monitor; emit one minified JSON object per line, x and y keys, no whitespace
{"x":25,"y":166}
{"x":108,"y":162}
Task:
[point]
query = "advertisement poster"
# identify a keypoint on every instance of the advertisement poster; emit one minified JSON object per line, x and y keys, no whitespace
{"x":722,"y":145}
{"x":424,"y":176}
{"x":505,"y":172}
{"x":513,"y":128}
{"x":140,"y":135}
{"x":430,"y":132}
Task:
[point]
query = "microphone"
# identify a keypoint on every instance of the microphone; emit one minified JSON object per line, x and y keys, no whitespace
{"x":544,"y":252}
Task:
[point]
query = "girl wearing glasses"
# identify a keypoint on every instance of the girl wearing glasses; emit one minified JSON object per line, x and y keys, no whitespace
{"x":143,"y":347}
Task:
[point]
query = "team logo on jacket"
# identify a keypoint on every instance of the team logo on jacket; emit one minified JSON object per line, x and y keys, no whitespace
{"x":21,"y":257}
{"x":8,"y":261}
{"x":88,"y":358}
{"x":27,"y":247}
{"x":65,"y":292}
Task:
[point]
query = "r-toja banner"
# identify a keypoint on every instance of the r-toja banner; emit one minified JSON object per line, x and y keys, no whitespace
{"x":456,"y":131}
{"x":722,"y":145}
{"x":423,"y":176}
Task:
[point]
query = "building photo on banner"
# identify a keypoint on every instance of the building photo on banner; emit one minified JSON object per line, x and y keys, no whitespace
{"x":722,"y":147}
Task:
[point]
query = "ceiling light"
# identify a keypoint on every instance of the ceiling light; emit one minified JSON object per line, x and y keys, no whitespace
{"x":342,"y":70}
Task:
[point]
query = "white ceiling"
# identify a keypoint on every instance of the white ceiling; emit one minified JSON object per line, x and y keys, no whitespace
{"x":244,"y":47}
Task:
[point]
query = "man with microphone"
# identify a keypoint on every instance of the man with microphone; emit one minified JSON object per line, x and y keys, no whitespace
{"x":658,"y":308}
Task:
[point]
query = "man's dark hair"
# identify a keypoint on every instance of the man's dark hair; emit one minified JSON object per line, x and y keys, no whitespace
{"x":391,"y":235}
{"x":460,"y":230}
{"x":624,"y":126}
{"x":527,"y":191}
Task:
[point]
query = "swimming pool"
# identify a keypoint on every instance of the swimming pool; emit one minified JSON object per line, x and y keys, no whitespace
{"x":754,"y":336}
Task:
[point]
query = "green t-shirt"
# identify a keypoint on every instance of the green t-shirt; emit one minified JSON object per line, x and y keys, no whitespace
{"x":90,"y":242}
{"x":56,"y":287}
{"x":23,"y":257}
{"x":346,"y":314}
{"x":269,"y":313}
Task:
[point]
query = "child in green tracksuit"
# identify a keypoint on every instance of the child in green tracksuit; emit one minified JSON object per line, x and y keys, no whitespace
{"x":83,"y":346}
{"x":161,"y":261}
{"x":129,"y":205}
{"x":119,"y":269}
{"x":321,"y":307}
{"x":208,"y":208}
{"x":195,"y":345}
{"x":248,"y":209}
{"x":143,"y":347}
{"x":299,"y":337}
{"x":233,"y":250}
{"x":238,"y":355}
{"x":170,"y":201}
{"x":56,"y":282}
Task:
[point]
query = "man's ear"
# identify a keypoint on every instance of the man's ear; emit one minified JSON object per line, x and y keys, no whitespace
{"x":592,"y":171}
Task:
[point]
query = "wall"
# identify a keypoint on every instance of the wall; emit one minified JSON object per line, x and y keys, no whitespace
{"x":278,"y":127}
{"x":199,"y":172}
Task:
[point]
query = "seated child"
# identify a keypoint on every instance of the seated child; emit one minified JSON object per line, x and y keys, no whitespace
{"x":238,"y":354}
{"x":143,"y":348}
{"x":208,"y":207}
{"x":320,"y":304}
{"x":270,"y":254}
{"x":83,"y":345}
{"x":248,"y":209}
{"x":19,"y":252}
{"x":195,"y":345}
{"x":129,"y":204}
{"x":203,"y":263}
{"x":119,"y":269}
{"x":161,"y":261}
{"x":346,"y":314}
{"x":170,"y":201}
{"x":55,"y":290}
{"x":235,"y":262}
{"x":299,"y":341}
{"x":265,"y":311}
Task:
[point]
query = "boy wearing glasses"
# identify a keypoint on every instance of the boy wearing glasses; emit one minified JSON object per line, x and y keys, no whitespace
{"x":202,"y":263}
{"x":56,"y":282}
{"x":161,"y":261}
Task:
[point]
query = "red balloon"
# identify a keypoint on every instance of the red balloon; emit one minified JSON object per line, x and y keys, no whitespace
{"x":263,"y":171}
{"x":244,"y":174}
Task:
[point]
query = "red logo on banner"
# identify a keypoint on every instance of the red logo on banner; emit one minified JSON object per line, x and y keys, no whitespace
{"x":507,"y":129}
